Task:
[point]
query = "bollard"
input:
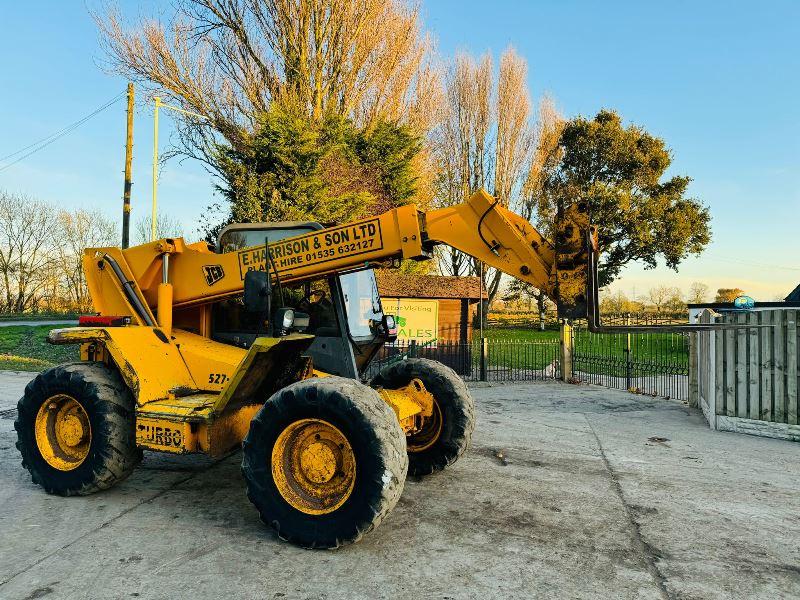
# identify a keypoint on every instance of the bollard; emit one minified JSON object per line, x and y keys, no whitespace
{"x":484,"y":357}
{"x":566,"y":345}
{"x":628,"y":358}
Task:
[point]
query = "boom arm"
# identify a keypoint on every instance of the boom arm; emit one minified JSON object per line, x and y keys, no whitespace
{"x":479,"y":227}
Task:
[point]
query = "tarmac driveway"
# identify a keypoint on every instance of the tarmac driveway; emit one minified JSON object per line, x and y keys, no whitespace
{"x":599,"y":493}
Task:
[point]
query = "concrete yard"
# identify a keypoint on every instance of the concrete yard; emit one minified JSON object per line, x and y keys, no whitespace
{"x":605,"y":495}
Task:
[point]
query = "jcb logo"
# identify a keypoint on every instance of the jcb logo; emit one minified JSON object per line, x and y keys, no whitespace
{"x":213,"y":273}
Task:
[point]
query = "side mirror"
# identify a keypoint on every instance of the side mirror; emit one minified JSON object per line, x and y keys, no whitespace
{"x":389,"y":325}
{"x":257,"y":290}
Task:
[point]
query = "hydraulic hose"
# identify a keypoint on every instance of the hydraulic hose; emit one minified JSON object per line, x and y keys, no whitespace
{"x":492,"y":248}
{"x":130,"y":293}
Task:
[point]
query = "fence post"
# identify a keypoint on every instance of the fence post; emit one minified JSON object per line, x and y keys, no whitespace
{"x":694,"y":374}
{"x":484,"y":356}
{"x":566,"y":345}
{"x":628,"y":365}
{"x":412,"y":349}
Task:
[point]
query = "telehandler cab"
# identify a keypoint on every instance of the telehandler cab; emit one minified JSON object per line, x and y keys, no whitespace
{"x":262,"y":343}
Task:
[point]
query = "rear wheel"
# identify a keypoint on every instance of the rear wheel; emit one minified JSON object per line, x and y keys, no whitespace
{"x":75,"y":429}
{"x":324,"y":461}
{"x":446,"y":434}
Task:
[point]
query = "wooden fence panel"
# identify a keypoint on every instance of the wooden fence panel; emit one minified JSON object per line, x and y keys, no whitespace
{"x":778,"y":370}
{"x":741,"y":367}
{"x":766,"y":365}
{"x":753,"y":356}
{"x":750,"y":376}
{"x":730,"y":373}
{"x":791,"y":366}
{"x":719,"y":372}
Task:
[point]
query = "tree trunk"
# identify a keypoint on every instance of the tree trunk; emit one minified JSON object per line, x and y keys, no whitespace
{"x":540,"y":305}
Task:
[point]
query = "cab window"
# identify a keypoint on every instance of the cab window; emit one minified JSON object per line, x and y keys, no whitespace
{"x":362,"y":303}
{"x":312,"y":297}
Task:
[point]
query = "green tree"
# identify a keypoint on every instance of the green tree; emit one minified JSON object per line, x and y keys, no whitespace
{"x":387,"y":152}
{"x":296,"y":169}
{"x":619,"y":172}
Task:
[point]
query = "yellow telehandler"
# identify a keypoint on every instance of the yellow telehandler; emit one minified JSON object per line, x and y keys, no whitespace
{"x":262,"y":343}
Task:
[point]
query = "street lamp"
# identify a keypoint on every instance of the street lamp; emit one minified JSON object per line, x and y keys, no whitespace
{"x":158,"y":104}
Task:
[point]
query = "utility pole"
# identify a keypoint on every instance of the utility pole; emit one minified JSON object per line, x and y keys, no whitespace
{"x":126,"y":194}
{"x":154,"y":209}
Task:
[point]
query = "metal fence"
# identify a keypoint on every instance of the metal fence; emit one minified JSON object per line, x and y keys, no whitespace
{"x":492,"y":360}
{"x":650,"y":363}
{"x":656,"y":364}
{"x":531,"y":320}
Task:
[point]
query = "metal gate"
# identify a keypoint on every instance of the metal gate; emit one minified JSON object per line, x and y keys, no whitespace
{"x":656,"y":364}
{"x":490,"y":360}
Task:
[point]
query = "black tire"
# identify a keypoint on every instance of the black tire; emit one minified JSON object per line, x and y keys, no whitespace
{"x":109,"y":405}
{"x":454,"y":401}
{"x":378,"y":444}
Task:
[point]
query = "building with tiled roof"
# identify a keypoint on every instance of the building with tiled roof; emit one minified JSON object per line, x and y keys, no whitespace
{"x":431,"y":307}
{"x":395,"y":285}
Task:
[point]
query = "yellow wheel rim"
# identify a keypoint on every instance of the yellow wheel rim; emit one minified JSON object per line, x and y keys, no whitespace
{"x":313,"y":466}
{"x":429,"y":433}
{"x":63,"y":432}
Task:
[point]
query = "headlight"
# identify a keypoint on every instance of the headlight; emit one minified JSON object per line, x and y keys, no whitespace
{"x":288,"y":318}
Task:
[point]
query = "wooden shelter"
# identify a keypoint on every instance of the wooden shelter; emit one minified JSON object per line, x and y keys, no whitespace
{"x":431,"y":307}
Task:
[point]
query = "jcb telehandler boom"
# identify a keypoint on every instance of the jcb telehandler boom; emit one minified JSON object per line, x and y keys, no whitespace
{"x":264,"y":344}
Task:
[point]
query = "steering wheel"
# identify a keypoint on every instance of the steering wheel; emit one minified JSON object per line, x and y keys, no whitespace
{"x":306,"y":301}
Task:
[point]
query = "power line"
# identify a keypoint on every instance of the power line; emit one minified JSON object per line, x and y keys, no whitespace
{"x":750,"y":263}
{"x":64,"y":130}
{"x":44,"y":142}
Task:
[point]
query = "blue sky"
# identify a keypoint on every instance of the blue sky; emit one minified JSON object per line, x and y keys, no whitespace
{"x":719,"y":81}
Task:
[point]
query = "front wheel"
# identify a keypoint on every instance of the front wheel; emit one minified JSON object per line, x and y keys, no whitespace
{"x":75,"y":429}
{"x":445,"y":435}
{"x":324,"y":461}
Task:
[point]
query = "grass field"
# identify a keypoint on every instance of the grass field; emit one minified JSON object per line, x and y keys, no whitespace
{"x":649,"y":348}
{"x":521,"y":335}
{"x":24,"y":348}
{"x":42,"y":316}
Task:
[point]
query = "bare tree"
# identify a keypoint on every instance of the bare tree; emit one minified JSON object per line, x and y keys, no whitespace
{"x":229,"y":59}
{"x":167,"y":226}
{"x":545,"y":157}
{"x":461,"y":143}
{"x":698,"y":293}
{"x":484,"y":141}
{"x":514,"y":134}
{"x":78,"y":230}
{"x":27,"y":240}
{"x":618,"y":303}
{"x":662,"y":296}
{"x":488,"y":139}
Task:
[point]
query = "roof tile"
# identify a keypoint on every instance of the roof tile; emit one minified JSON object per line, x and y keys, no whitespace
{"x":392,"y":284}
